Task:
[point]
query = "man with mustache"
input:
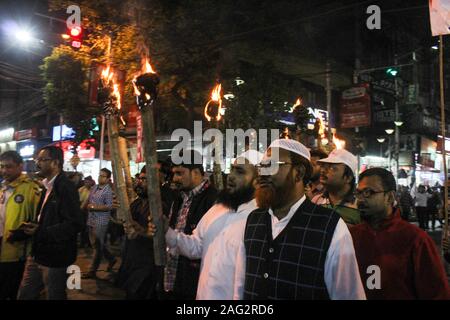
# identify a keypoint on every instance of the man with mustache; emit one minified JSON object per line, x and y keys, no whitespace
{"x":337,"y":174}
{"x":197,"y":197}
{"x":233,"y":205}
{"x":397,"y":260}
{"x":292,"y":248}
{"x":315,"y":187}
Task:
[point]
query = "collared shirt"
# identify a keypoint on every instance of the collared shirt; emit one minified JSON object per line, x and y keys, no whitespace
{"x":7,"y":191}
{"x":170,"y":271}
{"x":207,"y":242}
{"x":48,"y":187}
{"x":347,"y":208}
{"x":341,"y":273}
{"x":102,"y":196}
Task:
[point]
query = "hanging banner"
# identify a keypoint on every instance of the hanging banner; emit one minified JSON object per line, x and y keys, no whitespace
{"x":139,"y":151}
{"x":355,"y":107}
{"x":439,"y":17}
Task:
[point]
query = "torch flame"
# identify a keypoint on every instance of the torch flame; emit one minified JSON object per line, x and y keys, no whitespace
{"x":106,"y":75}
{"x":296,"y":104}
{"x":148,"y":67}
{"x":116,"y":93}
{"x":340,"y":144}
{"x":216,"y":97}
{"x":321,"y":127}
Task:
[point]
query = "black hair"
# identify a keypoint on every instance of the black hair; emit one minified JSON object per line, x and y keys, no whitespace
{"x":386,"y":177}
{"x":107,"y":171}
{"x":298,"y":160}
{"x":55,"y":153}
{"x":11,"y":155}
{"x":318,"y":153}
{"x":349,"y":173}
{"x":191,"y":164}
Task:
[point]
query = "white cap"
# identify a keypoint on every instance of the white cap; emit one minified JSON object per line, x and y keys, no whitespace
{"x":293,"y":146}
{"x":253,"y":156}
{"x":344,"y":157}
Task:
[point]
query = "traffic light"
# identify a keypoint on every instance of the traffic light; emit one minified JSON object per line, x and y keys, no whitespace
{"x":76,"y":35}
{"x":391,"y":71}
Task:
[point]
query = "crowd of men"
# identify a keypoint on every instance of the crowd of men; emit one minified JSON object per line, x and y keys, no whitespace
{"x":289,"y":224}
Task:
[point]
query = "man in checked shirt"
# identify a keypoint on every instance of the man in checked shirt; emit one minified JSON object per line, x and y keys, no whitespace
{"x":99,"y":207}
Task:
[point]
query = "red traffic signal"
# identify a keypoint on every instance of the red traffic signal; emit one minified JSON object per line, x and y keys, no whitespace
{"x":75,"y":37}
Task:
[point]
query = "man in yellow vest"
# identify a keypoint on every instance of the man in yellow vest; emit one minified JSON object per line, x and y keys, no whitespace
{"x":19,"y":198}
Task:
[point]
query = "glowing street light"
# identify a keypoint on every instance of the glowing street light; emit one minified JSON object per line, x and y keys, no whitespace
{"x":389,"y":131}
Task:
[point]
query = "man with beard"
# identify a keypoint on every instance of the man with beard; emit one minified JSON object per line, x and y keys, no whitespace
{"x":397,"y":260}
{"x":233,"y":205}
{"x":314,"y":185}
{"x":337,"y":174}
{"x":197,"y":197}
{"x":292,"y":248}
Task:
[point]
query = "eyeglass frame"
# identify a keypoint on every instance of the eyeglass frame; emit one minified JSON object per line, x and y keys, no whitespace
{"x":359,"y":194}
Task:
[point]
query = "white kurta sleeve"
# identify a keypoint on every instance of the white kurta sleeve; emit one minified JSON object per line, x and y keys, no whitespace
{"x":189,"y":246}
{"x":342,"y":276}
{"x":239,"y":275}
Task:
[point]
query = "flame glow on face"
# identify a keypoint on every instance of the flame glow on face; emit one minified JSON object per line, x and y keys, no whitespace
{"x":340,"y":144}
{"x":216,"y":97}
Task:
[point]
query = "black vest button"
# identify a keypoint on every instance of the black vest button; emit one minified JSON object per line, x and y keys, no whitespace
{"x":265,"y":275}
{"x":271,"y":250}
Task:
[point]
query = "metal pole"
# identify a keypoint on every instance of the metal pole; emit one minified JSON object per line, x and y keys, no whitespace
{"x":397,"y":128}
{"x":328,"y":84}
{"x":444,"y":158}
{"x":102,"y":143}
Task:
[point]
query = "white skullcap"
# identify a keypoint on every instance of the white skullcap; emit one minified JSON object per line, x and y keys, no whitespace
{"x":293,"y":146}
{"x":344,"y":157}
{"x":253,"y":156}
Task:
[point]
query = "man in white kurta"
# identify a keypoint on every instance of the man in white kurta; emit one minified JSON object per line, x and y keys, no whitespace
{"x":341,"y":273}
{"x":211,"y":236}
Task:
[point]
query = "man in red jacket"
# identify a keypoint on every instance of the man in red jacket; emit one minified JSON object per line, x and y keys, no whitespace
{"x":397,"y":260}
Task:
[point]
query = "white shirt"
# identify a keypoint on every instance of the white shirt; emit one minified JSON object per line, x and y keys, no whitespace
{"x":341,"y":272}
{"x":422,"y":198}
{"x":49,"y":187}
{"x":7,"y":191}
{"x":206,"y":242}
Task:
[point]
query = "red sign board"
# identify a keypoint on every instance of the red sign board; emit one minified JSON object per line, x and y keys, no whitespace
{"x":355,"y":107}
{"x":139,"y":151}
{"x":25,"y":134}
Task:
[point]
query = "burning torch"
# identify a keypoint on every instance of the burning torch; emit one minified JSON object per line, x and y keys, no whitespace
{"x":109,"y":98}
{"x":213,"y":113}
{"x":146,"y":90}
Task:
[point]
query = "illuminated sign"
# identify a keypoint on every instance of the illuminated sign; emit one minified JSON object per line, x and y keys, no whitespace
{"x":27,"y":151}
{"x":67,"y":133}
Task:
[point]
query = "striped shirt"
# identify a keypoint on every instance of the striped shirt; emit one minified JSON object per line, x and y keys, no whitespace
{"x":100,"y":196}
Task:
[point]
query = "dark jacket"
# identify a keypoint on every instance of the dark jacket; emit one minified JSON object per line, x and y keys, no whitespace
{"x":188,"y":271}
{"x":55,"y":241}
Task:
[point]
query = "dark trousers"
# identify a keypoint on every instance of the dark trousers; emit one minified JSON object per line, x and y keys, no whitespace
{"x":84,"y":235}
{"x":10,"y":276}
{"x":434,"y":217}
{"x":423,"y":217}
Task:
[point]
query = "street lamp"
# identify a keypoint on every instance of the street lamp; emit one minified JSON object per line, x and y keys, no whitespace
{"x":381,"y":140}
{"x":398,"y":123}
{"x":389,"y":131}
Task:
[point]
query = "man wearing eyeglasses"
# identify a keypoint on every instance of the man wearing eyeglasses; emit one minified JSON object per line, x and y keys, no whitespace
{"x":292,"y":248}
{"x":55,"y":232}
{"x":397,"y":260}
